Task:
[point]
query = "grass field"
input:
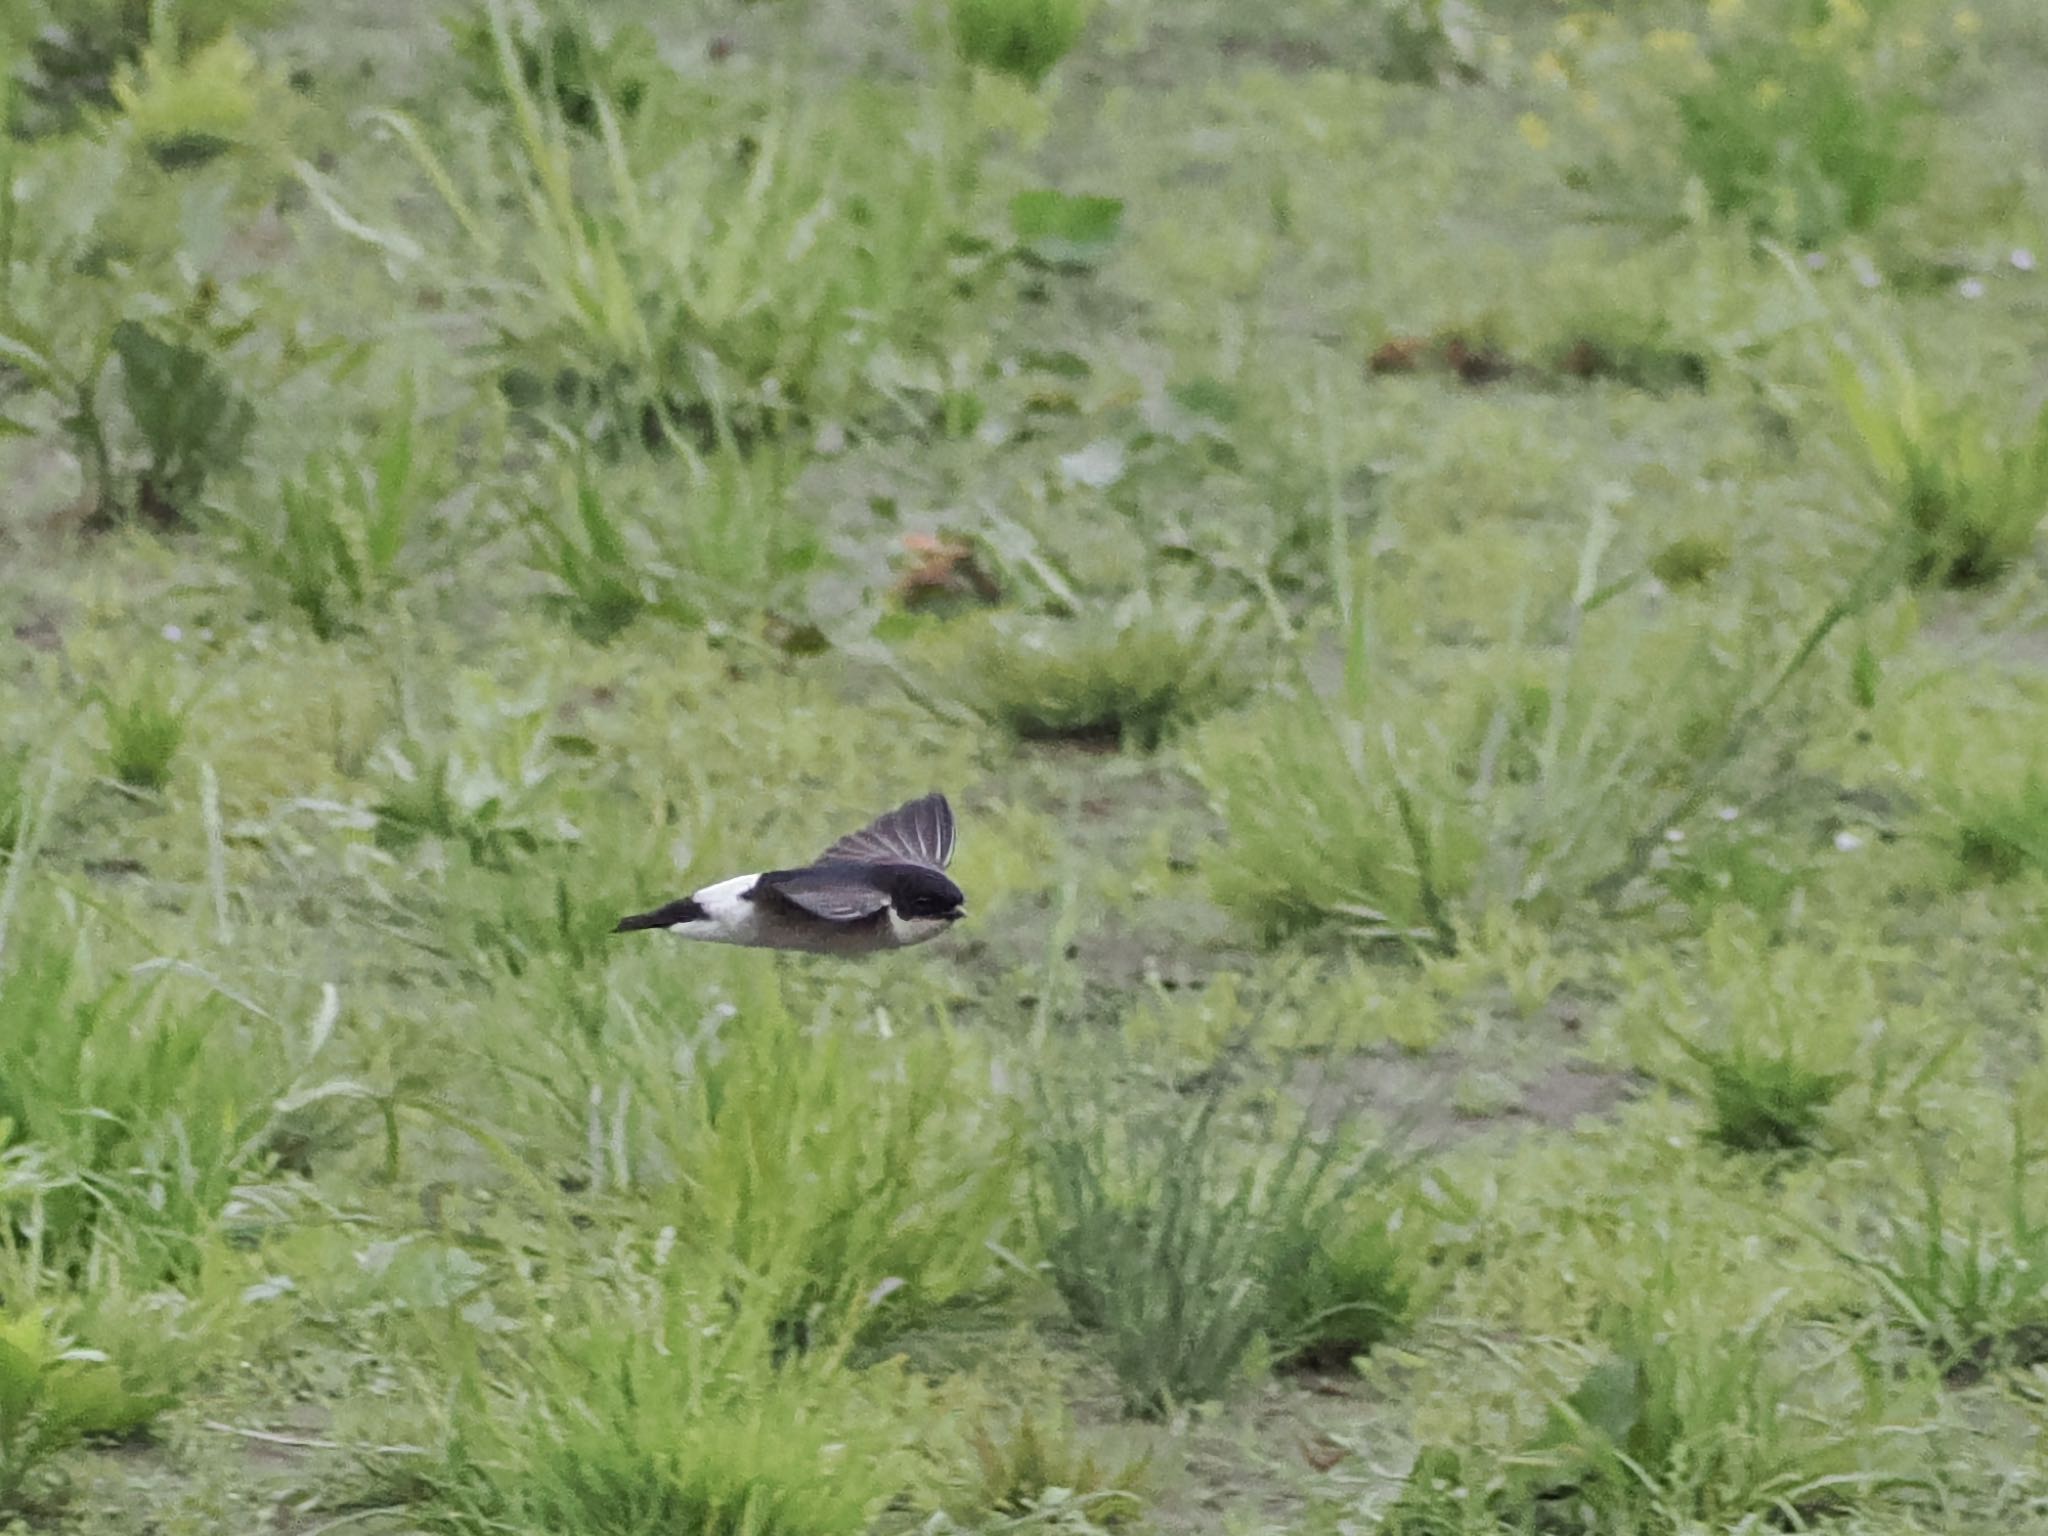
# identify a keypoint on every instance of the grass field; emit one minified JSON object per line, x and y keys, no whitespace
{"x":1469,"y":568}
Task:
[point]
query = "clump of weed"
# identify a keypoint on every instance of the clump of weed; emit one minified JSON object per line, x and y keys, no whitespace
{"x":187,"y":110}
{"x":652,"y":1403}
{"x":145,"y":730}
{"x":1425,"y":41}
{"x":74,"y":59}
{"x":740,"y":268}
{"x":192,"y":419}
{"x":1692,"y":560}
{"x":483,"y":796}
{"x":444,"y":799}
{"x":1021,"y":38}
{"x":1784,"y":1030}
{"x":1969,"y":489}
{"x":1684,"y":1418}
{"x":1034,"y":1466}
{"x":561,"y":59}
{"x":1123,"y":677}
{"x":55,"y":1392}
{"x":341,"y":546}
{"x":1381,"y":857}
{"x":1734,"y":865}
{"x":1973,"y":1292}
{"x":1437,"y":1498}
{"x":1341,"y":1289}
{"x":1178,"y":1254}
{"x":604,"y":570}
{"x":859,"y":1182}
{"x":1763,"y":1102}
{"x":142,"y":1107}
{"x":186,"y":420}
{"x":1784,"y":136}
{"x":721,"y":549}
{"x":2001,"y":837}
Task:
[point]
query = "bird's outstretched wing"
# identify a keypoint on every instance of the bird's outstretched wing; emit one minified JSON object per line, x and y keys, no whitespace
{"x":919,"y":832}
{"x":837,"y":895}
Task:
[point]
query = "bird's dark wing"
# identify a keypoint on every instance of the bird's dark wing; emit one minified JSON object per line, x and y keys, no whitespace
{"x":839,"y":895}
{"x":920,"y":832}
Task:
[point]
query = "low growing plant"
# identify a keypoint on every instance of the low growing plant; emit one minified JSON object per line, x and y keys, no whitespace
{"x":1344,"y":1286}
{"x":1683,"y":1420}
{"x":1786,"y":137}
{"x":1971,"y":1290}
{"x":861,"y":1183}
{"x":1034,"y":1466}
{"x":141,"y":1107}
{"x":342,"y":544}
{"x":651,"y":1404}
{"x":689,"y":271}
{"x":1183,"y":1257}
{"x":1764,"y":1101}
{"x":562,"y":58}
{"x":606,"y":572}
{"x":1021,"y":38}
{"x":55,"y":1392}
{"x":1999,"y":837}
{"x":145,"y":730}
{"x":1969,"y":490}
{"x":78,"y":48}
{"x":1125,"y":677}
{"x":192,"y":419}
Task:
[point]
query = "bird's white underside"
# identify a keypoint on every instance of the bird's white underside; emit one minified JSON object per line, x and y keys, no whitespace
{"x":732,"y":919}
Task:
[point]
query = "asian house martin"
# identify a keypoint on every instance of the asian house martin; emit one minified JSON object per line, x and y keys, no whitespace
{"x":883,"y":887}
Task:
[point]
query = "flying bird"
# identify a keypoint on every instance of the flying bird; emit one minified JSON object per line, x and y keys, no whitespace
{"x":883,"y":887}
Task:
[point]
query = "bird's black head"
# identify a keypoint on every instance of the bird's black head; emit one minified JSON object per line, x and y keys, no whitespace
{"x":915,"y":891}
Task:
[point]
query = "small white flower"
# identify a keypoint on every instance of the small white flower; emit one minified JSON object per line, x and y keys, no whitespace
{"x":1815,"y":260}
{"x":1728,"y":813}
{"x":1971,"y":288}
{"x":2022,"y":259}
{"x":173,"y":633}
{"x":1847,"y":842}
{"x":1674,"y":834}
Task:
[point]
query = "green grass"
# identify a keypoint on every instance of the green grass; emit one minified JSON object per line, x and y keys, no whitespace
{"x":145,"y":731}
{"x":1188,"y":1261}
{"x":1970,"y":489}
{"x":1127,"y":676}
{"x":1971,"y":1290}
{"x":1471,"y":572}
{"x":1685,"y":1419}
{"x":1024,"y":38}
{"x":54,"y":1392}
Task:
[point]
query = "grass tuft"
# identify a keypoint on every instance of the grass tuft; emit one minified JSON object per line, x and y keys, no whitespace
{"x":145,"y":731}
{"x":1786,"y":137}
{"x":1127,"y":677}
{"x":1969,"y":489}
{"x":1021,"y":38}
{"x":1685,"y":1419}
{"x":1035,"y":1467}
{"x":2001,"y":837}
{"x":650,"y":1405}
{"x":1184,"y":1257}
{"x":344,"y":542}
{"x":702,"y":267}
{"x":1974,"y":1291}
{"x":54,"y":1393}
